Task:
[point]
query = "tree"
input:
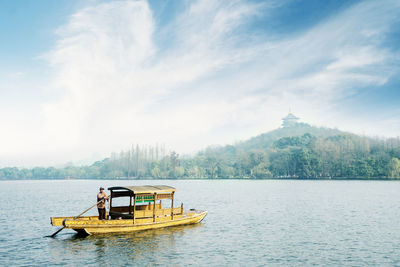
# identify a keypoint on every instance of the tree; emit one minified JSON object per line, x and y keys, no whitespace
{"x":394,"y":168}
{"x":261,"y":171}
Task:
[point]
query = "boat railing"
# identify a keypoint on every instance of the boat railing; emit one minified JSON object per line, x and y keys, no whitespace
{"x":146,"y":213}
{"x":138,"y":208}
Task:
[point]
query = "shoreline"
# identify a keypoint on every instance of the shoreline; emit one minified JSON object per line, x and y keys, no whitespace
{"x":208,"y":179}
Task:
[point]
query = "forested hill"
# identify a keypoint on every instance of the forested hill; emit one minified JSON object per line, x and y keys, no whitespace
{"x":304,"y":151}
{"x":296,"y":151}
{"x":266,"y":140}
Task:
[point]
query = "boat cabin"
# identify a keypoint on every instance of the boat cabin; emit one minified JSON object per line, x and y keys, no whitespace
{"x":144,"y":202}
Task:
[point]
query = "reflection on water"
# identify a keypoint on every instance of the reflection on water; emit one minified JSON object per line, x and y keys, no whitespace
{"x":137,"y":246}
{"x":100,"y":249}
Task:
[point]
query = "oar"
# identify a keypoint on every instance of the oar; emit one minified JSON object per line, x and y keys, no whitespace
{"x":59,"y":230}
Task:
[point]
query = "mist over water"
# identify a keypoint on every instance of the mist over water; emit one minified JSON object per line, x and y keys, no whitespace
{"x":253,"y":223}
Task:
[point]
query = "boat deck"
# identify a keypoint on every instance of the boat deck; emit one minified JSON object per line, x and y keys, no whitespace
{"x":91,"y":224}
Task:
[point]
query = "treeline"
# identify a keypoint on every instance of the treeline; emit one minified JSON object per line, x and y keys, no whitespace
{"x":306,"y":156}
{"x":137,"y":162}
{"x":309,"y":155}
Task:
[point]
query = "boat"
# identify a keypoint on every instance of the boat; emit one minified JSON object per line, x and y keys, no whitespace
{"x":145,"y":211}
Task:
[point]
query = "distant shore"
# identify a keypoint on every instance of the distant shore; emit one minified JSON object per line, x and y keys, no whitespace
{"x":210,"y":179}
{"x":297,"y":151}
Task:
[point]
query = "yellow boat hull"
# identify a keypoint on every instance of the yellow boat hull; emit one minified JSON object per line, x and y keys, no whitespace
{"x":91,"y":225}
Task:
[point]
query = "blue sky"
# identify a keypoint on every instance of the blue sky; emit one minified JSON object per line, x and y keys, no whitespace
{"x":79,"y":79}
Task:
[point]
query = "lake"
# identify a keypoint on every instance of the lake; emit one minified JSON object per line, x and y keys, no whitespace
{"x":252,"y":223}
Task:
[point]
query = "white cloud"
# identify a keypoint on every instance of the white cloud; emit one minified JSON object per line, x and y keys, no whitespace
{"x":117,"y":83}
{"x":113,"y":80}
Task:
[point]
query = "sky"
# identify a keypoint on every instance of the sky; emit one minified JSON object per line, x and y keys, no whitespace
{"x":81,"y":79}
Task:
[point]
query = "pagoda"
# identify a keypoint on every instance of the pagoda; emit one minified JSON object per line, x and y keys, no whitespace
{"x":290,"y":120}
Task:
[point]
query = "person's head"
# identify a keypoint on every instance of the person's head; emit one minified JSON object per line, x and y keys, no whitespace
{"x":101,"y":189}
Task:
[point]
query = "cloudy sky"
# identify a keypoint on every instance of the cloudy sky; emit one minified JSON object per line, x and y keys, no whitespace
{"x":80,"y":79}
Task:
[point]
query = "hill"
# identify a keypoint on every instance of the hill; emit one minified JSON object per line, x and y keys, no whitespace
{"x":266,"y":140}
{"x":299,"y":150}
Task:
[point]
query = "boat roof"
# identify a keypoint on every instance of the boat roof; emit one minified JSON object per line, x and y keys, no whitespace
{"x":145,"y":189}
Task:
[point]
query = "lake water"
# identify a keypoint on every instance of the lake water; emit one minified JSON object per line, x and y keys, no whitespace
{"x":250,"y":223}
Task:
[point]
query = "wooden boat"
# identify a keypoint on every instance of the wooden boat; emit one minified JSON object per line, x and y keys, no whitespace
{"x":145,"y":211}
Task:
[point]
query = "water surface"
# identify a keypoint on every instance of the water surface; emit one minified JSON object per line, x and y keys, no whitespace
{"x":253,"y":223}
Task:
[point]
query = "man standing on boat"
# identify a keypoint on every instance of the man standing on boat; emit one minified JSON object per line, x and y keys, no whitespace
{"x":101,"y":205}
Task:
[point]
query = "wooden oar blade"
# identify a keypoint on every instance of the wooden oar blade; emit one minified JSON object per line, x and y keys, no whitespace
{"x":55,"y":233}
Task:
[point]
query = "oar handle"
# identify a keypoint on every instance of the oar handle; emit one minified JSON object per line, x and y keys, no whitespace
{"x":89,"y":208}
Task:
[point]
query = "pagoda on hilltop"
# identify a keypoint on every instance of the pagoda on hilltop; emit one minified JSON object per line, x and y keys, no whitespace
{"x":290,"y":120}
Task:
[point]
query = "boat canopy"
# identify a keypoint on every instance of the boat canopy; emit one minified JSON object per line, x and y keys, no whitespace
{"x":145,"y":189}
